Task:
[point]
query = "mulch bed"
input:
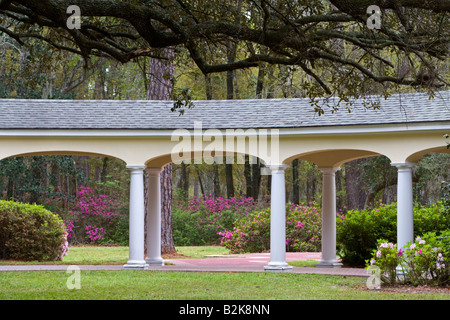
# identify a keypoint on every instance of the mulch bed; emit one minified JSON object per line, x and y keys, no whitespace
{"x":402,"y":288}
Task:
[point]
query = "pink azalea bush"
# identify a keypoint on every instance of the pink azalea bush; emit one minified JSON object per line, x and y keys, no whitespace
{"x":200,"y":220}
{"x":303,"y":230}
{"x":423,"y":261}
{"x":93,"y":216}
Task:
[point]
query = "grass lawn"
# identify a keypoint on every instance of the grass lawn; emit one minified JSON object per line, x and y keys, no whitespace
{"x":160,"y":285}
{"x":171,"y":285}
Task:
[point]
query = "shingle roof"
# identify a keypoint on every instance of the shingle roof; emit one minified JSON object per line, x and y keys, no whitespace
{"x":223,"y":114}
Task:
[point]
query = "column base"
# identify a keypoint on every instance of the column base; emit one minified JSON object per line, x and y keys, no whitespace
{"x":329,"y":264}
{"x":135,"y":265}
{"x":154,"y":261}
{"x":278,"y":267}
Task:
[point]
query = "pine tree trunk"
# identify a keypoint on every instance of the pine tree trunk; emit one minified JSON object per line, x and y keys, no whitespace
{"x":295,"y":189}
{"x":167,"y":243}
{"x":159,"y":88}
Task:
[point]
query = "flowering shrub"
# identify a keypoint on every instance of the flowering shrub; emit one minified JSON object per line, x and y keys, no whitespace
{"x":303,"y":230}
{"x":249,"y":235}
{"x":387,"y":258}
{"x":420,"y":262}
{"x":200,"y":220}
{"x":94,"y":218}
{"x":303,"y":227}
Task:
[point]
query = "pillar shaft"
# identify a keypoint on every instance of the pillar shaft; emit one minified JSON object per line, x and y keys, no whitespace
{"x":154,"y":218}
{"x":405,"y":217}
{"x":329,"y":218}
{"x":278,"y":221}
{"x":136,"y":223}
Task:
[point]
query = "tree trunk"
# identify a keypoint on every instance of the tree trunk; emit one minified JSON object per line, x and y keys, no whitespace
{"x":356,"y":196}
{"x":256,"y":178}
{"x":295,"y":189}
{"x":167,"y":243}
{"x":216,"y":180}
{"x":231,"y":55}
{"x":202,"y":189}
{"x":229,"y":180}
{"x":310,"y":185}
{"x":208,"y":87}
{"x":159,"y":88}
{"x":248,"y":177}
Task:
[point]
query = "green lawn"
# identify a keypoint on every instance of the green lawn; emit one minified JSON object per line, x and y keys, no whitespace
{"x":160,"y":285}
{"x":171,"y":285}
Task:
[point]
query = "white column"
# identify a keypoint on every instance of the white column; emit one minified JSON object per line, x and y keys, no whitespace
{"x":405,"y":218}
{"x":136,"y":245}
{"x":329,"y":219}
{"x":154,"y":218}
{"x":278,"y":221}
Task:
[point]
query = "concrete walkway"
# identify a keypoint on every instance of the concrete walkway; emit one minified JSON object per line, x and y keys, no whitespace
{"x":228,"y":263}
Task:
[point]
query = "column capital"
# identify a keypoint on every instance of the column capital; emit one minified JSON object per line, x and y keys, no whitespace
{"x":330,"y":170}
{"x":403,"y":165}
{"x":136,"y":167}
{"x":277,"y":167}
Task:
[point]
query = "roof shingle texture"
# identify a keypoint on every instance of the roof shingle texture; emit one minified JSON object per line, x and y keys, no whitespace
{"x":219,"y":114}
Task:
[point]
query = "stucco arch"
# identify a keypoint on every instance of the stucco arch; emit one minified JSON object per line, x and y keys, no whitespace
{"x":67,"y":145}
{"x":415,"y":157}
{"x":60,"y":153}
{"x":332,"y":158}
{"x":194,"y":157}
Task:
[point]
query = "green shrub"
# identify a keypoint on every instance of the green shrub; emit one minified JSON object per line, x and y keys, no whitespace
{"x":30,"y":232}
{"x":358,"y":233}
{"x":187,"y":230}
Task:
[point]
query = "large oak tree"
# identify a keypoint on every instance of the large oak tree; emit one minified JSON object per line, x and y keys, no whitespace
{"x":331,"y":41}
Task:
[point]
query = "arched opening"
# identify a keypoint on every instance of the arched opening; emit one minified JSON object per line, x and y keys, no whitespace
{"x":430,"y":175}
{"x":202,"y":203}
{"x":352,"y":191}
{"x":88,"y":191}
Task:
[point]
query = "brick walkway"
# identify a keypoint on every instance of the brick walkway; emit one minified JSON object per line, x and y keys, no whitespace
{"x":229,"y":263}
